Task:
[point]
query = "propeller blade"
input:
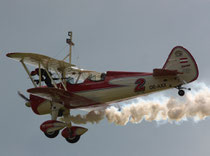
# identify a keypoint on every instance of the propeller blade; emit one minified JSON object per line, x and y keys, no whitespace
{"x":23,"y":96}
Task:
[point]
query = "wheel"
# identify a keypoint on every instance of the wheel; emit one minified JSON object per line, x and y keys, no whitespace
{"x":181,"y":92}
{"x":73,"y":139}
{"x":51,"y":134}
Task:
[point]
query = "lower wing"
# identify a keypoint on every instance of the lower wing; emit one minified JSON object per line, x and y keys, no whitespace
{"x":69,"y":100}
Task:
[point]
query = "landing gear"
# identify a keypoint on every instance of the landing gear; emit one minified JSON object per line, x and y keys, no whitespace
{"x":181,"y":91}
{"x":72,"y":134}
{"x":51,"y":134}
{"x":52,"y":127}
{"x":73,"y":139}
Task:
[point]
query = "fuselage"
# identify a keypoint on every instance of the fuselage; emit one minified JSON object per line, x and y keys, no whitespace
{"x":115,"y":87}
{"x":122,"y":85}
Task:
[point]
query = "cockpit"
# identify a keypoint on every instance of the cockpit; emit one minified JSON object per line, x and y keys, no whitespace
{"x":100,"y":77}
{"x":85,"y":77}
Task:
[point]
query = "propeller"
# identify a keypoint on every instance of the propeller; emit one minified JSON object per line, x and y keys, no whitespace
{"x":25,"y":98}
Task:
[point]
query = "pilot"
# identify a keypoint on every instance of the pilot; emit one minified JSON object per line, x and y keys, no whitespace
{"x":103,"y":76}
{"x":44,"y":76}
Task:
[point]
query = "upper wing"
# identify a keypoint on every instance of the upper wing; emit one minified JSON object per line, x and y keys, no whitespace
{"x":47,"y":62}
{"x":70,"y":100}
{"x":35,"y":59}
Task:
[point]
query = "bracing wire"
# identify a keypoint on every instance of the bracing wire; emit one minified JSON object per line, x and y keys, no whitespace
{"x":59,"y":52}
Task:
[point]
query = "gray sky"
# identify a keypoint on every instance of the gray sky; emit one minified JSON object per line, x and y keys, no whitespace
{"x":134,"y":35}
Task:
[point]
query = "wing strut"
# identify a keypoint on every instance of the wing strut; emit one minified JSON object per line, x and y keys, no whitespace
{"x":40,"y":78}
{"x":26,"y":69}
{"x":60,"y":80}
{"x":78,"y":78}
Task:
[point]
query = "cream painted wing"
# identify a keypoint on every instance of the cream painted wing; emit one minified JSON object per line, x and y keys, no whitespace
{"x":48,"y":63}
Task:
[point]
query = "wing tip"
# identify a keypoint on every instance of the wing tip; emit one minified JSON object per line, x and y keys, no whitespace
{"x":12,"y":55}
{"x":9,"y":54}
{"x":40,"y":89}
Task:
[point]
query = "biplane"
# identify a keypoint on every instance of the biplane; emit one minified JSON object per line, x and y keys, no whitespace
{"x":68,"y":87}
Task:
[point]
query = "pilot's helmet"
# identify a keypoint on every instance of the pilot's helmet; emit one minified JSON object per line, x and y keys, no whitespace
{"x":33,"y":72}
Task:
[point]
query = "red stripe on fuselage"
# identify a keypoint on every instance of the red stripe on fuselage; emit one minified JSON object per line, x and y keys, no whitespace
{"x":89,"y":85}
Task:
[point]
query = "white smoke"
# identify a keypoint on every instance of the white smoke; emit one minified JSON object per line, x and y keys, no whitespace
{"x":91,"y":117}
{"x":195,"y":104}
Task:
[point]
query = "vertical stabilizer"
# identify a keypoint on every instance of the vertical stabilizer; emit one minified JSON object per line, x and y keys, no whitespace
{"x":181,"y":60}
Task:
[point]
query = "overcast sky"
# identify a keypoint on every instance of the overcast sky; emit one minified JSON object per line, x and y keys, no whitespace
{"x":126,"y":35}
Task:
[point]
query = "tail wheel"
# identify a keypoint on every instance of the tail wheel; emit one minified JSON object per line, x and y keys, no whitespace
{"x":51,"y":134}
{"x":181,"y":92}
{"x":73,"y":139}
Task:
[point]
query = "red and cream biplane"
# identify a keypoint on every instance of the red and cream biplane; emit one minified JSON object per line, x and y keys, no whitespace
{"x":70,"y":87}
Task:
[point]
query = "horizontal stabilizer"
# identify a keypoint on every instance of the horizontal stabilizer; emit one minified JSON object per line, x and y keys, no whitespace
{"x":165,"y":72}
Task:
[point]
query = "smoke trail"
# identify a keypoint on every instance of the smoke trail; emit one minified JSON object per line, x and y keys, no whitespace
{"x":195,"y":104}
{"x":91,"y":117}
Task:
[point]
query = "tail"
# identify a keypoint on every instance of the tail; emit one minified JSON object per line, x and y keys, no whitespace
{"x":181,"y":60}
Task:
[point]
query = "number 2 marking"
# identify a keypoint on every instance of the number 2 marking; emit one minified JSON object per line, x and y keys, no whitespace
{"x":140,"y":85}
